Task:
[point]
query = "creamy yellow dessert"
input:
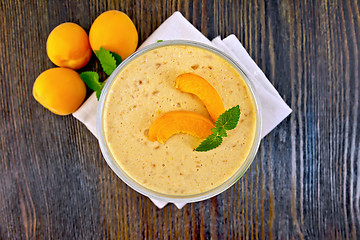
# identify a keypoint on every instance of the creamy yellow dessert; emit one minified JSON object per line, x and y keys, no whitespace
{"x":145,"y":90}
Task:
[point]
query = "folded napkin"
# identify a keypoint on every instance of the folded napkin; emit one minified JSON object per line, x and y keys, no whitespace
{"x":273,"y":109}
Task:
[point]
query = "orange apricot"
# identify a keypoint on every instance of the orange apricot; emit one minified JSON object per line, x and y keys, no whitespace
{"x":195,"y":84}
{"x":114,"y":31}
{"x":68,"y":46}
{"x":180,"y":122}
{"x":60,"y":90}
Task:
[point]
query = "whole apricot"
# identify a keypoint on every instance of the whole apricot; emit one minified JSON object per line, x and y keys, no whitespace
{"x":68,"y":46}
{"x":114,"y":31}
{"x":60,"y":90}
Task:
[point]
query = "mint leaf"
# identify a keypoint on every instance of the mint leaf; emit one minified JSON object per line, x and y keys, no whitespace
{"x":107,"y":60}
{"x":226,"y":121}
{"x":117,"y":57}
{"x":229,"y":119}
{"x":220,"y":131}
{"x":98,"y":94}
{"x":91,"y":80}
{"x":211,"y":142}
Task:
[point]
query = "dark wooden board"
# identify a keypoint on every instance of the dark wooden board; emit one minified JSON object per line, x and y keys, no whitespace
{"x":303,"y":184}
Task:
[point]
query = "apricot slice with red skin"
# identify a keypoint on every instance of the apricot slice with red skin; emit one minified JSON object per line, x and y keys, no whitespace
{"x":175,"y":122}
{"x":195,"y":84}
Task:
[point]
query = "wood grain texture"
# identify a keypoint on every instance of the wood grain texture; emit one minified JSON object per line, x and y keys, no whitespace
{"x":303,"y":184}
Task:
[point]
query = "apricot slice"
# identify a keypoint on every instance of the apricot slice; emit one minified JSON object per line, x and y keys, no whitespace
{"x":195,"y":84}
{"x":180,"y":122}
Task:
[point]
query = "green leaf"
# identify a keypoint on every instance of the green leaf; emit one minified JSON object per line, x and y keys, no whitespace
{"x":229,"y":119}
{"x":117,"y":57}
{"x":159,"y":40}
{"x":107,"y":60}
{"x":91,"y":80}
{"x":98,"y":93}
{"x":226,"y":121}
{"x":211,"y":142}
{"x":220,"y":131}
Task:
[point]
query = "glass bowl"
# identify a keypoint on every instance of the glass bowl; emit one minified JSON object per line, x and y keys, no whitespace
{"x":160,"y":196}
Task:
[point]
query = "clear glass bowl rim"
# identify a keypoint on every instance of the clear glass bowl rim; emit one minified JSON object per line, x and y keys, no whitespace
{"x":165,"y":197}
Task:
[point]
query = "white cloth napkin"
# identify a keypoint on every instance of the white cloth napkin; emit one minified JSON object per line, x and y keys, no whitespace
{"x":176,"y":27}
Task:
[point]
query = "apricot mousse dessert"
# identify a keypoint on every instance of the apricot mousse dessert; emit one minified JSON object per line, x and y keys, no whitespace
{"x":162,"y":104}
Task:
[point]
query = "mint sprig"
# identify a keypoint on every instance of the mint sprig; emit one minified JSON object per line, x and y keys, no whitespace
{"x":91,"y":79}
{"x":226,"y":121}
{"x":109,"y":61}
